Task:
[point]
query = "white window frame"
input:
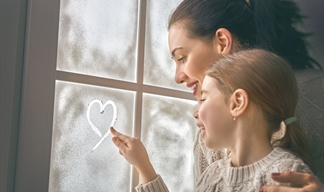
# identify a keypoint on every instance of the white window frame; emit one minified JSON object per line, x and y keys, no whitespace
{"x":38,"y":88}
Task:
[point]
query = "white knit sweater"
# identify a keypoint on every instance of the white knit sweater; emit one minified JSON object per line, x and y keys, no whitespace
{"x":221,"y":176}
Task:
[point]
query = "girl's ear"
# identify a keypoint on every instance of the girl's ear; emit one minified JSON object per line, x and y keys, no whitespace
{"x":239,"y":102}
{"x":223,"y":41}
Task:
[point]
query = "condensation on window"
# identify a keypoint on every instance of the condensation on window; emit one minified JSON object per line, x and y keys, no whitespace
{"x":98,"y":38}
{"x":159,"y":68}
{"x":168,"y":132}
{"x":75,"y":166}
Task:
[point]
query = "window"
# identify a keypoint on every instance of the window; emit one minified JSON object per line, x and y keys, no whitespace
{"x":106,"y":50}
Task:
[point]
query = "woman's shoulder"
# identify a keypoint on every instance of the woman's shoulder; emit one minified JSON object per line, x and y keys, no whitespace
{"x":306,"y":75}
{"x":309,"y":81}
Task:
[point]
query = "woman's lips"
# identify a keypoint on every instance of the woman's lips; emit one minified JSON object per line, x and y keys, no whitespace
{"x":194,"y":87}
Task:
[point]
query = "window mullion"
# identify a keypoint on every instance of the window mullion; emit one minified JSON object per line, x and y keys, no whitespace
{"x":141,"y":19}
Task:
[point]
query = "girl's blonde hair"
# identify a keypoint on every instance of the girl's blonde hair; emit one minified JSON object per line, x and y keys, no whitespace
{"x":270,"y":83}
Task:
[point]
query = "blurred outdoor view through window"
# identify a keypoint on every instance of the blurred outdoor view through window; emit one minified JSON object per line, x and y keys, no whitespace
{"x":99,"y":39}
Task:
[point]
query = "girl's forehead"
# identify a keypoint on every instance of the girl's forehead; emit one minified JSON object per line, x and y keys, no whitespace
{"x":208,"y":83}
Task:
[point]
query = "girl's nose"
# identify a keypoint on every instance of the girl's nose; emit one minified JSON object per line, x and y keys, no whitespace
{"x":195,"y":113}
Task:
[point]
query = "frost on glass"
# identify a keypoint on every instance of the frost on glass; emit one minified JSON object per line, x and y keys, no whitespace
{"x":168,"y":132}
{"x":74,"y":165}
{"x":98,"y":38}
{"x":159,"y":68}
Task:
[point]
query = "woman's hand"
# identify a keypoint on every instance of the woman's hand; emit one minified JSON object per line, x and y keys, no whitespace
{"x":305,"y":181}
{"x":135,"y":153}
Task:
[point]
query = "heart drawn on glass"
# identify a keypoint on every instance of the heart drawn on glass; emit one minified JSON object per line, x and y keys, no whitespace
{"x":102,"y":109}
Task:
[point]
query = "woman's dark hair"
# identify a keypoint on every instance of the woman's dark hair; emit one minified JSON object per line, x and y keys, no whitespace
{"x":266,"y":24}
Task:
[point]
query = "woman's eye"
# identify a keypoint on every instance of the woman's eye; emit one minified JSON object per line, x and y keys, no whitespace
{"x":181,"y":59}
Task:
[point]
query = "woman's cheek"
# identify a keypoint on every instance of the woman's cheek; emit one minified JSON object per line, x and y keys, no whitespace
{"x":195,"y":70}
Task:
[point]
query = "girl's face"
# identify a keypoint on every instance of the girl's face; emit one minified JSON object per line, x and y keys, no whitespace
{"x":214,"y":116}
{"x":192,"y":57}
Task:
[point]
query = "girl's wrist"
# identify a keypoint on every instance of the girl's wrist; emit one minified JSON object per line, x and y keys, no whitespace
{"x":147,"y":173}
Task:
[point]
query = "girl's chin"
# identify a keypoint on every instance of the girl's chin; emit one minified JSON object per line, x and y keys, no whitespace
{"x":204,"y":138}
{"x":202,"y":134}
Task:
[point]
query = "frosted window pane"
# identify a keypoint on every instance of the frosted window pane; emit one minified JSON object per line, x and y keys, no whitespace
{"x":159,"y":68}
{"x":168,"y":132}
{"x":74,"y":166}
{"x":98,"y":37}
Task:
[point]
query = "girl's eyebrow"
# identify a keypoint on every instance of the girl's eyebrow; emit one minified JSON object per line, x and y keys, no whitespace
{"x":174,"y":50}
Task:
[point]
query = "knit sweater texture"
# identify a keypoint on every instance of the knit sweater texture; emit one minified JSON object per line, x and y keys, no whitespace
{"x":221,"y":176}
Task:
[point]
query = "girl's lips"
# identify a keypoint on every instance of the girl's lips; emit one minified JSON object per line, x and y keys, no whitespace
{"x":200,"y":126}
{"x":202,"y":129}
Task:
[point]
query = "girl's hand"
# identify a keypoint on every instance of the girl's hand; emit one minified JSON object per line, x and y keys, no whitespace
{"x":305,"y":181}
{"x":135,"y":153}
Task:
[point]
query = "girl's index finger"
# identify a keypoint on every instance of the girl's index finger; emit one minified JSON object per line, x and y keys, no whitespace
{"x":121,"y":136}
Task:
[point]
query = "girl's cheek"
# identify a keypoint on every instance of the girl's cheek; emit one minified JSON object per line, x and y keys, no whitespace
{"x":201,"y":113}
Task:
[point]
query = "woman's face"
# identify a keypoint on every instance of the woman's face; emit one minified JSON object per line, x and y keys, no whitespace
{"x":192,"y":57}
{"x":214,"y":116}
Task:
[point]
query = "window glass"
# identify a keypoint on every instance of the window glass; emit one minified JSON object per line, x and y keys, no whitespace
{"x":159,"y":68}
{"x":75,"y":166}
{"x":168,"y":133}
{"x":98,"y":38}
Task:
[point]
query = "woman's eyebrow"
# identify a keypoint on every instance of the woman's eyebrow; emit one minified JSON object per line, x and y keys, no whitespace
{"x":174,"y":50}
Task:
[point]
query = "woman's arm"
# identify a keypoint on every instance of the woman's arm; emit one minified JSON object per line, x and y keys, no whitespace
{"x":305,"y":181}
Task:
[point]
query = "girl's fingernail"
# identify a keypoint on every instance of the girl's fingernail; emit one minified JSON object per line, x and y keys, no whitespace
{"x":261,"y":189}
{"x":275,"y":174}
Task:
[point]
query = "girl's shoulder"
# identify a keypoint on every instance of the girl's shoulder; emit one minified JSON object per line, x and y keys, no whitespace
{"x":288,"y":162}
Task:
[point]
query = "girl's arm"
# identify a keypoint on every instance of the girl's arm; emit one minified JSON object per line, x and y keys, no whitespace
{"x":135,"y":153}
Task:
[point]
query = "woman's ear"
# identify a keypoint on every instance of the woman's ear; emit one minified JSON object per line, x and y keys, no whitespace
{"x":223,"y":41}
{"x":239,"y":102}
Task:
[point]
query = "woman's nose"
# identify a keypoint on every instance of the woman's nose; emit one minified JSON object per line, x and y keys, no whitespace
{"x":180,"y":77}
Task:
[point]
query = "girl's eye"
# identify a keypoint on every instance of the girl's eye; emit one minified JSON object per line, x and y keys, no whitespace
{"x":202,"y":100}
{"x":181,"y":59}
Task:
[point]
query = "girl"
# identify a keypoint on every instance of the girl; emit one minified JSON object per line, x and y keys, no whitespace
{"x":244,"y":98}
